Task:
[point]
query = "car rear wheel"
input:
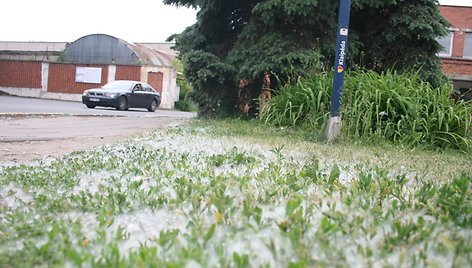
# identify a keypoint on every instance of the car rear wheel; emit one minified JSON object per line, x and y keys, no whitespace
{"x":90,"y":106}
{"x":153,"y":106}
{"x":122,"y":103}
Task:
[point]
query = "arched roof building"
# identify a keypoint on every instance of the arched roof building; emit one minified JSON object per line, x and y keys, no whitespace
{"x":64,"y":70}
{"x":106,"y":49}
{"x":154,"y":66}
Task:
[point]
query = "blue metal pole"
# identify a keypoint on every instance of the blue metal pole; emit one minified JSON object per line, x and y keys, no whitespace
{"x":341,"y":53}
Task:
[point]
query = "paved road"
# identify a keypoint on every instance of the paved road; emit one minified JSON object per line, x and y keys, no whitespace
{"x":11,"y":104}
{"x":36,"y":128}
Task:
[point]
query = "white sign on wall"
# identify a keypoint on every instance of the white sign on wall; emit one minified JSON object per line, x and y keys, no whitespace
{"x":88,"y":75}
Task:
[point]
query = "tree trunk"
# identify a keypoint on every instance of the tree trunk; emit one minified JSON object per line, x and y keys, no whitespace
{"x":266,"y":94}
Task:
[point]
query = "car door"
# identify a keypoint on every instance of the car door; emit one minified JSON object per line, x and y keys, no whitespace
{"x":149,"y":95}
{"x":137,"y":97}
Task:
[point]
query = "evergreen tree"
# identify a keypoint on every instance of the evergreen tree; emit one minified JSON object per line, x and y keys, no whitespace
{"x":233,"y":43}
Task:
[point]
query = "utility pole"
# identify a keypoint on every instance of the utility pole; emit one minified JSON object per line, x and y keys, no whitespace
{"x":334,"y":124}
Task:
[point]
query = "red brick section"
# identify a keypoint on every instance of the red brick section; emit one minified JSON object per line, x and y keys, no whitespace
{"x":458,"y":44}
{"x":155,"y":80}
{"x":23,"y":74}
{"x":461,"y":19}
{"x":453,"y":66}
{"x":128,"y":73}
{"x":62,"y":78}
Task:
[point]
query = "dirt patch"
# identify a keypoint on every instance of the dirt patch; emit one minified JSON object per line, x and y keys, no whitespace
{"x":25,"y":138}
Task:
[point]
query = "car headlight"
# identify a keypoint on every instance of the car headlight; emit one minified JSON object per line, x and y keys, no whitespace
{"x":110,"y":95}
{"x":85,"y":93}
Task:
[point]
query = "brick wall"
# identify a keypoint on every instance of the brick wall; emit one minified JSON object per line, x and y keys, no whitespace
{"x":62,"y":78}
{"x":459,"y":17}
{"x":128,"y":73}
{"x":22,"y":74}
{"x":155,"y":80}
{"x":458,"y":44}
{"x":456,"y":66}
{"x":461,"y":20}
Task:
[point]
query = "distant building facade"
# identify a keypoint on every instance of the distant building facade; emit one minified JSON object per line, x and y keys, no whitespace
{"x":59,"y":70}
{"x":456,"y":57}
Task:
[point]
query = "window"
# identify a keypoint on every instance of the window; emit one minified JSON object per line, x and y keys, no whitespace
{"x":468,"y":45}
{"x":446,"y":43}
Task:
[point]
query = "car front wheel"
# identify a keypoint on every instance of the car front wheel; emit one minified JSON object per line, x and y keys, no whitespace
{"x":153,"y":106}
{"x":90,"y":106}
{"x":122,"y":103}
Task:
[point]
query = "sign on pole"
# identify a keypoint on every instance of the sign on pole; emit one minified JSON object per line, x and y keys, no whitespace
{"x":334,"y":124}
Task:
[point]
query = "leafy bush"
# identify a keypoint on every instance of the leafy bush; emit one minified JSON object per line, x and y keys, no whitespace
{"x":397,"y":107}
{"x":403,"y":108}
{"x":210,"y":78}
{"x":303,"y":102}
{"x":184,"y":104}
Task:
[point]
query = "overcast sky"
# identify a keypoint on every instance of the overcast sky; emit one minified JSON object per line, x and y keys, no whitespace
{"x":131,"y":20}
{"x":66,"y":21}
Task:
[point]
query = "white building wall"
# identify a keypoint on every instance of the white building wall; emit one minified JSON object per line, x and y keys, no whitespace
{"x":44,"y":76}
{"x":39,"y":93}
{"x":111,"y":73}
{"x":169,"y":84}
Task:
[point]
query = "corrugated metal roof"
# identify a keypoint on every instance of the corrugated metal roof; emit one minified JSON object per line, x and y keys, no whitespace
{"x":106,"y":49}
{"x":149,"y":56}
{"x":100,"y":49}
{"x":164,"y":47}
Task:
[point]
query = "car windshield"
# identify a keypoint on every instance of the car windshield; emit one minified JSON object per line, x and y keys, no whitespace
{"x":125,"y":85}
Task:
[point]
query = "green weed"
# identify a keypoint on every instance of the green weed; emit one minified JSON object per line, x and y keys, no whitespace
{"x":210,"y":194}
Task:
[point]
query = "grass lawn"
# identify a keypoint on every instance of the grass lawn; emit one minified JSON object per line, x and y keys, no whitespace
{"x":238,"y":194}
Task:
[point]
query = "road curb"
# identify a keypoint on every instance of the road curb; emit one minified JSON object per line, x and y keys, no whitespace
{"x":21,"y":115}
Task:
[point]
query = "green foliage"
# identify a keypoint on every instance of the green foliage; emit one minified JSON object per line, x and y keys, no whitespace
{"x":396,"y":107}
{"x":399,"y":35}
{"x":210,"y":77}
{"x":249,"y":38}
{"x":403,"y":108}
{"x":303,"y":102}
{"x":184,"y":103}
{"x":285,"y":59}
{"x":234,"y":193}
{"x":454,"y":201}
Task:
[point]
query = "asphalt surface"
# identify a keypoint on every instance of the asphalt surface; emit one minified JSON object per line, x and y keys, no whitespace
{"x":32,"y":129}
{"x":12,"y":104}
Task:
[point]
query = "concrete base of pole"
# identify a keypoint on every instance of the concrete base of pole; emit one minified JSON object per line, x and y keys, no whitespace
{"x":333,"y":128}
